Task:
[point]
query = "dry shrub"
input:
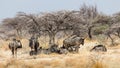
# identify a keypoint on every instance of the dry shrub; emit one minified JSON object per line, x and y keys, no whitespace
{"x":14,"y":63}
{"x":45,"y":62}
{"x":56,"y":63}
{"x":4,"y":45}
{"x":33,"y":65}
{"x":76,"y":62}
{"x":69,"y":61}
{"x":98,"y":65}
{"x":96,"y":61}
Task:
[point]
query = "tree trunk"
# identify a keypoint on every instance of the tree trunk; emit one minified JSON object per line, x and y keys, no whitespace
{"x":118,"y":33}
{"x":52,"y":39}
{"x":111,"y":39}
{"x":18,"y":34}
{"x":89,"y":32}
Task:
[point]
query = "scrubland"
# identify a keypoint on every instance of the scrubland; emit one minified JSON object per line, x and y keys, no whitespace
{"x":83,"y":59}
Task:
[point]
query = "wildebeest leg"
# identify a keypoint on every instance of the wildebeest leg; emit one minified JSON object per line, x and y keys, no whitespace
{"x":105,"y":48}
{"x":72,"y":49}
{"x":32,"y":50}
{"x":16,"y":52}
{"x":35,"y":49}
{"x":77,"y":49}
{"x":12,"y":50}
{"x":69,"y":49}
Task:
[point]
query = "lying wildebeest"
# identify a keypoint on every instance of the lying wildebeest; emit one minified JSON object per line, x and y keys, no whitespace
{"x":62,"y":50}
{"x":99,"y":48}
{"x":73,"y":43}
{"x":53,"y":49}
{"x":43,"y":51}
{"x":33,"y":44}
{"x":14,"y":45}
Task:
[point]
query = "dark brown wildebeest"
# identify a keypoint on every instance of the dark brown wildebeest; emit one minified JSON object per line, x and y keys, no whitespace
{"x":73,"y":43}
{"x":44,"y":51}
{"x":62,"y":50}
{"x":14,"y":45}
{"x":53,"y":49}
{"x":99,"y":48}
{"x":33,"y":44}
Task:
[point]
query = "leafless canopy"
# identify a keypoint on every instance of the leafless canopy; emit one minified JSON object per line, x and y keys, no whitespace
{"x":85,"y":22}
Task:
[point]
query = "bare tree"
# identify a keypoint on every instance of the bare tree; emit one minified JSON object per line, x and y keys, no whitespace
{"x":56,"y":22}
{"x":81,"y":23}
{"x":51,"y":23}
{"x":15,"y":23}
{"x":88,"y":14}
{"x":31,"y":23}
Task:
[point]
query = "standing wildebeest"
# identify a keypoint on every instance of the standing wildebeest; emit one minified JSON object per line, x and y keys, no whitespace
{"x":73,"y":43}
{"x":99,"y":48}
{"x":14,"y":45}
{"x":33,"y":44}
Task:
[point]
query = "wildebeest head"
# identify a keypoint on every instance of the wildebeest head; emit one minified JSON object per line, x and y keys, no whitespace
{"x":19,"y":44}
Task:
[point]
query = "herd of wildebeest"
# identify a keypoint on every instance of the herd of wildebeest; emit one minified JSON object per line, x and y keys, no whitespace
{"x":70,"y":45}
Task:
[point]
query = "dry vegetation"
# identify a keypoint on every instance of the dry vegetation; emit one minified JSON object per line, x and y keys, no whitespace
{"x":54,"y":27}
{"x":84,"y":59}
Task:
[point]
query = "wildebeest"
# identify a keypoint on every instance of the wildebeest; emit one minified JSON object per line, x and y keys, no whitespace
{"x":73,"y":43}
{"x":33,"y":44}
{"x":62,"y":50}
{"x":43,"y":51}
{"x":53,"y":49}
{"x":14,"y":45}
{"x":99,"y":48}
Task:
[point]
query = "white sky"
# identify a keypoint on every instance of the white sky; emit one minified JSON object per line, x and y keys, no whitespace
{"x":8,"y":8}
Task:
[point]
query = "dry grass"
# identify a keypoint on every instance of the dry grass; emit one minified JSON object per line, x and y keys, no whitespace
{"x":84,"y":59}
{"x":66,"y":62}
